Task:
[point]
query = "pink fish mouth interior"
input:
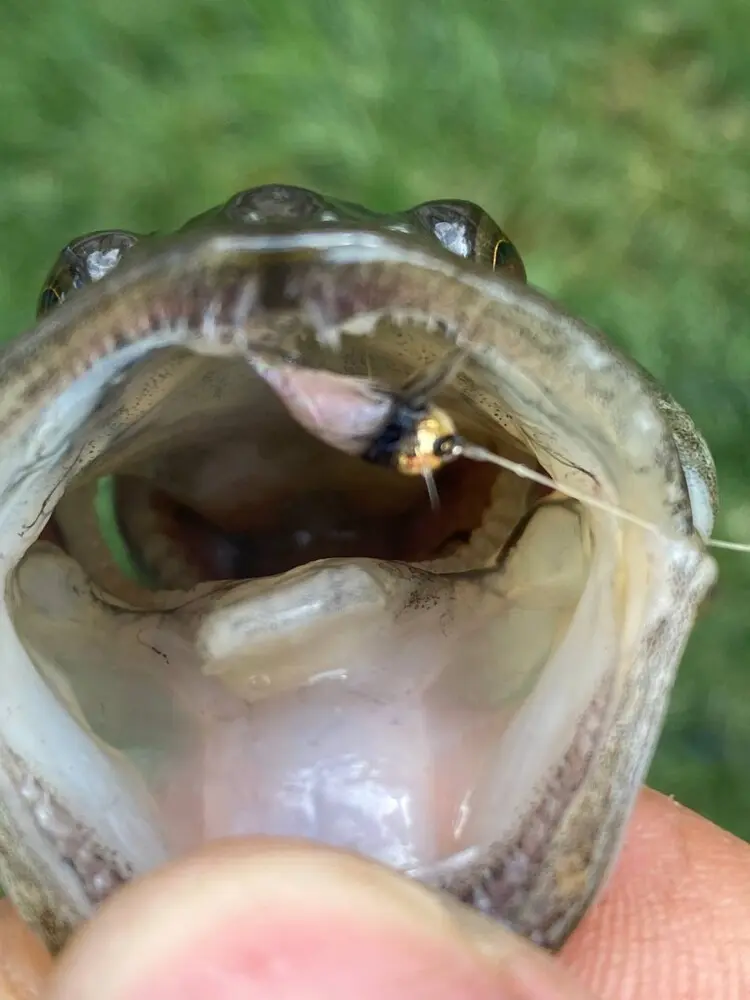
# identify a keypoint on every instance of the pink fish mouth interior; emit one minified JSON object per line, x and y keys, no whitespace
{"x":311,"y":655}
{"x":276,"y":534}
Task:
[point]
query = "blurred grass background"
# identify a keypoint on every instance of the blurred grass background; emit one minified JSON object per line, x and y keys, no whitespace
{"x":612,"y":141}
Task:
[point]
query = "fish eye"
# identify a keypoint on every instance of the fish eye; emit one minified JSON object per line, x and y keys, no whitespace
{"x":48,"y":300}
{"x":466,"y":230}
{"x":84,"y":260}
{"x":506,"y":258}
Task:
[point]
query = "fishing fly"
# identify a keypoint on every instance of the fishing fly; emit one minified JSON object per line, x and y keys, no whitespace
{"x":418,"y":438}
{"x":406,"y":431}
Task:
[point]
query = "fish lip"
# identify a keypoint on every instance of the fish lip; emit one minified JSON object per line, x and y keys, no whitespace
{"x":335,"y":252}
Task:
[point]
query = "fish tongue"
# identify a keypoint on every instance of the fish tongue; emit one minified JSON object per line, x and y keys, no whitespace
{"x":360,"y":703}
{"x":347,"y":738}
{"x":379,"y":693}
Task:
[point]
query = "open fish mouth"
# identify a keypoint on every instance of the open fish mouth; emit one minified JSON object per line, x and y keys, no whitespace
{"x":301,"y":645}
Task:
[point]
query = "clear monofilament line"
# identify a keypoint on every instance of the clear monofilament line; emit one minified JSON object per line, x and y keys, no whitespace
{"x":719,"y":543}
{"x":479,"y":454}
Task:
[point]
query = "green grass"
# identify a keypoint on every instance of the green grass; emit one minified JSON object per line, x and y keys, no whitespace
{"x":612,"y":141}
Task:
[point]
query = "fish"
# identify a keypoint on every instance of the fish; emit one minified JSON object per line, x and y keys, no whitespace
{"x":231,"y":607}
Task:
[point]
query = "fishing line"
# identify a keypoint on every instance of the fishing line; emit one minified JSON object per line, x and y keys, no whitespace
{"x":455,"y":446}
{"x":479,"y":454}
